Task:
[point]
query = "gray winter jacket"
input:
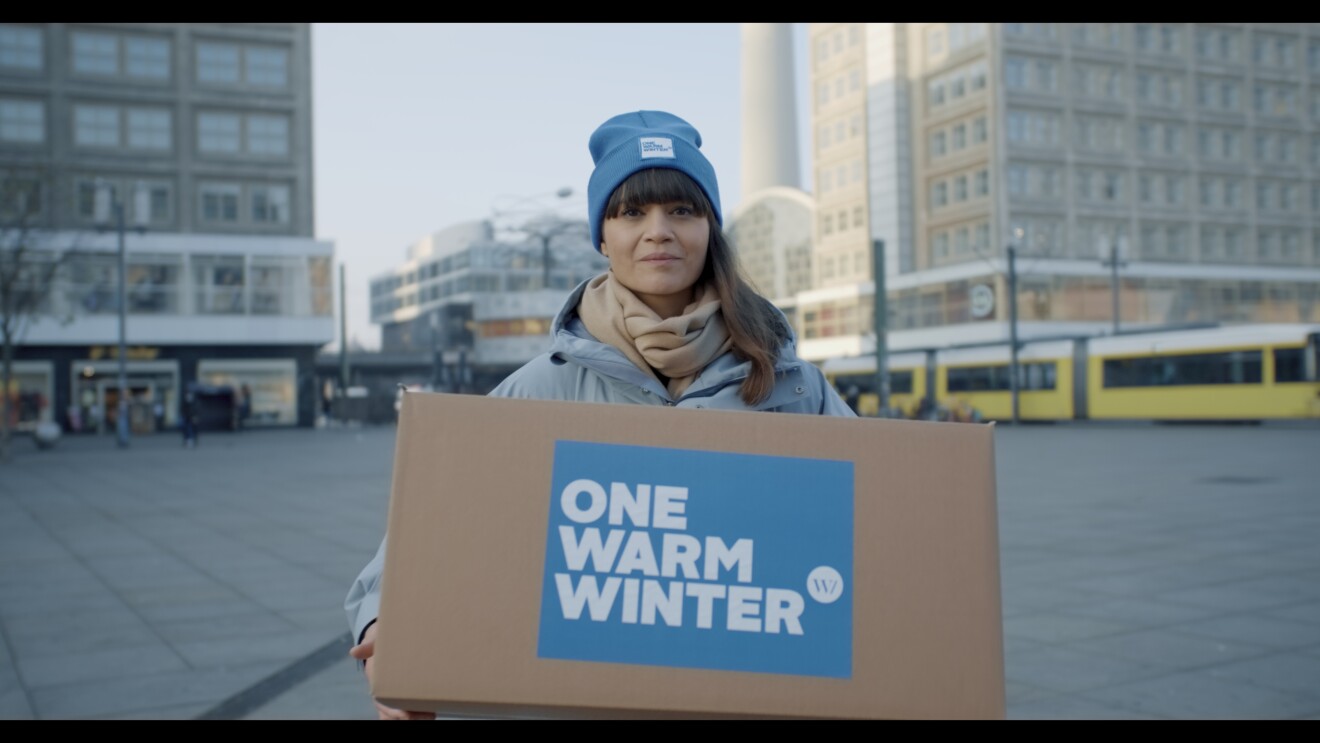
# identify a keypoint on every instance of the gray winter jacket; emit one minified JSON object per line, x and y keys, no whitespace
{"x":580,"y":368}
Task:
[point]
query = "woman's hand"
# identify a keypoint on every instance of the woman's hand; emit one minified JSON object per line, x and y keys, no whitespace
{"x":363,"y":652}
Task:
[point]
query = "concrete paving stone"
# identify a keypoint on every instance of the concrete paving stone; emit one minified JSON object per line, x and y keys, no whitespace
{"x":1052,"y":627}
{"x":1071,"y":707}
{"x":140,"y":571}
{"x":283,"y":647}
{"x":59,"y":625}
{"x":90,"y":640}
{"x":1199,"y":696}
{"x":204,"y":590}
{"x":1259,"y":630}
{"x":337,"y":693}
{"x":222,"y":627}
{"x":106,"y":664}
{"x":60,"y":574}
{"x":14,"y":705}
{"x":176,"y":712}
{"x":134,"y":694}
{"x":159,"y":612}
{"x":325,"y":620}
{"x":308,"y":594}
{"x":1260,"y":594}
{"x":1017,"y":599}
{"x":1140,"y":613}
{"x":1308,"y":611}
{"x":1164,"y":579}
{"x":90,"y":601}
{"x":18,"y":550}
{"x":1065,"y":669}
{"x":1298,"y":673}
{"x":1016,"y":693}
{"x":1171,"y":649}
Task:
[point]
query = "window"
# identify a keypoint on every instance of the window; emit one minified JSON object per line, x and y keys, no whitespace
{"x":982,"y":182}
{"x":959,"y":136}
{"x":20,"y":47}
{"x":939,"y":194}
{"x":1015,"y":73}
{"x":159,"y":202}
{"x":1017,"y":179}
{"x":218,"y":133}
{"x":978,"y":130}
{"x":270,"y":204}
{"x":268,"y":135}
{"x":267,"y":67}
{"x":217,"y":63}
{"x":934,"y":41}
{"x":937,"y":143}
{"x":147,"y":58}
{"x":96,"y":126}
{"x":95,"y":53}
{"x":219,"y":202}
{"x":22,"y":121}
{"x":960,"y":188}
{"x":149,"y":129}
{"x":20,"y":199}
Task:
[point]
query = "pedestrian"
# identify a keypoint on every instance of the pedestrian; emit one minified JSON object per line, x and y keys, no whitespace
{"x":670,"y":323}
{"x":188,"y":418}
{"x":244,"y":405}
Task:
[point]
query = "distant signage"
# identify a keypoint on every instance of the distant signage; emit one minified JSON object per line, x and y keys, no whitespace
{"x":983,"y":300}
{"x":699,"y":559}
{"x":135,"y":353}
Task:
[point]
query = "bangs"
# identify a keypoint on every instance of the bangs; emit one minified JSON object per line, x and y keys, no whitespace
{"x":657,"y":186}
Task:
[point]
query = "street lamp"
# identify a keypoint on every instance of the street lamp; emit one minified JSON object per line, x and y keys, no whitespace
{"x":108,"y":206}
{"x":1117,"y":249}
{"x":550,"y":228}
{"x":1016,"y":239}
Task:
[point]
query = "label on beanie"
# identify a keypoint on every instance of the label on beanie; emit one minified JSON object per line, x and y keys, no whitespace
{"x":698,"y":559}
{"x":657,"y":147}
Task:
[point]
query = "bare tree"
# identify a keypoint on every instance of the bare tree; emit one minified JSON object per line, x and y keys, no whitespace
{"x":28,"y":268}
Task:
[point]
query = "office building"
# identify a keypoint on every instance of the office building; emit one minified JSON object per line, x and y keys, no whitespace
{"x":203,"y":134}
{"x":1169,"y":167}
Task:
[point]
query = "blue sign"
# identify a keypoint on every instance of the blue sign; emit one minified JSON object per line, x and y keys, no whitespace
{"x":698,"y":559}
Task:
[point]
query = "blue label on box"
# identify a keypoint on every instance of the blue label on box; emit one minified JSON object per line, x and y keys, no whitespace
{"x":698,"y":559}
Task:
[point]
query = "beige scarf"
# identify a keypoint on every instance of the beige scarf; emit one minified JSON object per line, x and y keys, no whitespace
{"x":677,"y":347}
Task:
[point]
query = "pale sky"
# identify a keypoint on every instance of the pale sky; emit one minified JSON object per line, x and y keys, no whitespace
{"x":417,"y":127}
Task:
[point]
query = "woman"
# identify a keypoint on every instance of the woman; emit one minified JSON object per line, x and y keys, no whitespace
{"x":671,"y":322}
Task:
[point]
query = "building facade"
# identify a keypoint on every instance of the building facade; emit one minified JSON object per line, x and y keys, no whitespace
{"x":481,"y":303}
{"x":1169,"y":169}
{"x":202,"y":134}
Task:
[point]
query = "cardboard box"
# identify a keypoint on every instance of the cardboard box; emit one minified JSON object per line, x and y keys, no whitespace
{"x":594,"y":560}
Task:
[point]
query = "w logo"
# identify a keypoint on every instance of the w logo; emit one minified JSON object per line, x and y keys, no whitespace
{"x":825,"y":584}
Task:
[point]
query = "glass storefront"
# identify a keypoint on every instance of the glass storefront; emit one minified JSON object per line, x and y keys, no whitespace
{"x":153,"y":396}
{"x":30,"y":392}
{"x":270,"y":387}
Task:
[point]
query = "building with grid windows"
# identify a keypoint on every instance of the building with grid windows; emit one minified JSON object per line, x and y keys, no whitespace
{"x":203,"y":133}
{"x":478,"y":301}
{"x":1188,"y":152}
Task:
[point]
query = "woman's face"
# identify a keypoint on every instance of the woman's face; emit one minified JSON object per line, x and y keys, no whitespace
{"x":658,"y":252}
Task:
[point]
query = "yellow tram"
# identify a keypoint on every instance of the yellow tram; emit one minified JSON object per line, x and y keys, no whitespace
{"x":1232,"y":373}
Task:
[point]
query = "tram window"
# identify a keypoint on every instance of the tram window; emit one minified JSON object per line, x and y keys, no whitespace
{"x":1236,"y":367}
{"x":1288,"y":365}
{"x":1034,"y":376}
{"x":900,"y":382}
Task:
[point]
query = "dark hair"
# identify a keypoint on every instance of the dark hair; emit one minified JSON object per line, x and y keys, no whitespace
{"x":756,"y":327}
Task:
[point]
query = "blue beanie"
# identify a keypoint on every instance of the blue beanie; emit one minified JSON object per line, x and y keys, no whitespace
{"x":636,"y":141}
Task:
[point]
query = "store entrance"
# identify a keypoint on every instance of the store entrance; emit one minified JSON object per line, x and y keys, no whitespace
{"x":144,"y":411}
